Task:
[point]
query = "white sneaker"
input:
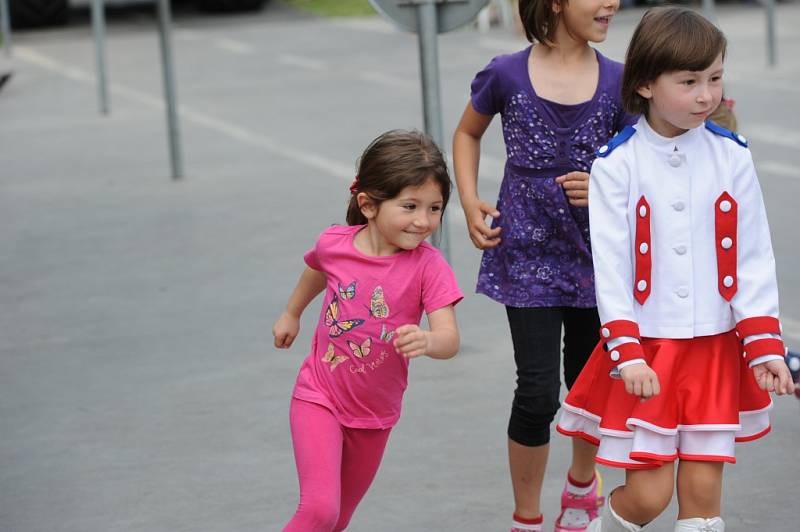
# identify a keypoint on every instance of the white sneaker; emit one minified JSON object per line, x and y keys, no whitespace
{"x":698,"y":524}
{"x":595,"y":525}
{"x":609,"y":521}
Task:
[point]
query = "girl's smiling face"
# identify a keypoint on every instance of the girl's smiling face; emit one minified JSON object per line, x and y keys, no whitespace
{"x":586,"y":20}
{"x":682,"y":99}
{"x":403,"y":222}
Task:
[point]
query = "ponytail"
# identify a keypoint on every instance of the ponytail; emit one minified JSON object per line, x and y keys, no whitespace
{"x":354,"y":214}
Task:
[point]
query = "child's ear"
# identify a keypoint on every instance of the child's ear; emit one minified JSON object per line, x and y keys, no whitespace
{"x":645,"y":91}
{"x":556,"y":6}
{"x":366,"y":205}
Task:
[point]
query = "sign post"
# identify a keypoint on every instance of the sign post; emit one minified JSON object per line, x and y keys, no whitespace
{"x":165,"y":39}
{"x":708,"y":10}
{"x":771,"y":53}
{"x":99,"y":29}
{"x":428,"y":18}
{"x":5,"y":27}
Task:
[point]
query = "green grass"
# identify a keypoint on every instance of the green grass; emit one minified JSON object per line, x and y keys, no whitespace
{"x":334,"y":8}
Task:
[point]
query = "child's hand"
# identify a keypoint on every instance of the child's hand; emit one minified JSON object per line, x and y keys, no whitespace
{"x":640,"y":380}
{"x":774,"y":376}
{"x":576,"y":187}
{"x":411,"y":341}
{"x":285,"y":330}
{"x":481,"y":234}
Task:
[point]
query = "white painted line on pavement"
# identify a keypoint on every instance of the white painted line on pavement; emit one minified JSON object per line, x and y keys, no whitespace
{"x":368,"y":24}
{"x":231,"y":45}
{"x":772,"y":134}
{"x":68,"y":71}
{"x":318,"y":162}
{"x":302,"y":62}
{"x":304,"y":157}
{"x":137,"y":96}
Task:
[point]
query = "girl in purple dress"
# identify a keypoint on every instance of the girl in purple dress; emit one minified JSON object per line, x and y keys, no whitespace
{"x":559,"y":100}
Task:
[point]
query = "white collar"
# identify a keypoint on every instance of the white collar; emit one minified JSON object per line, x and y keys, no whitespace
{"x":668,"y":145}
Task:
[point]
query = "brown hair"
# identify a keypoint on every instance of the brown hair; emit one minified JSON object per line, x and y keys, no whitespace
{"x":667,"y":39}
{"x":539,"y":20}
{"x":723,"y":116}
{"x":395,"y":160}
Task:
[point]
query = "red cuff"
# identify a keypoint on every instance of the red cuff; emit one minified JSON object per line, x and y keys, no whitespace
{"x":758,"y":325}
{"x":759,"y":348}
{"x":617,"y":328}
{"x":625,"y":352}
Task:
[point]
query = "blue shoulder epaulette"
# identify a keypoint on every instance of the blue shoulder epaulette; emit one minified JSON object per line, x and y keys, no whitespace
{"x":722,"y":132}
{"x":618,"y":139}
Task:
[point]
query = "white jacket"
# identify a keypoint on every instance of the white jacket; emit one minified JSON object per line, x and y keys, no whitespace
{"x":710,"y":267}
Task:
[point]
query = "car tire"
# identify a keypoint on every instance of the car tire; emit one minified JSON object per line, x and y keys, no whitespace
{"x":35,"y":13}
{"x":229,"y":5}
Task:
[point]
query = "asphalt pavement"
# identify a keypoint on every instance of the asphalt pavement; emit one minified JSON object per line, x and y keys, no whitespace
{"x":139,"y":389}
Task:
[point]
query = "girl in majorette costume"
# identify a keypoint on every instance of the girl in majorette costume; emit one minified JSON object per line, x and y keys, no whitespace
{"x":686,"y":287}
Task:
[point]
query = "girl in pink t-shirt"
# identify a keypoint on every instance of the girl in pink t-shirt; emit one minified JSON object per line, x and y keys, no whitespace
{"x":378,"y":275}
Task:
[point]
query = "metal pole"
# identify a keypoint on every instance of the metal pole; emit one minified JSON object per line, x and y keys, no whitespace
{"x":431,"y":94}
{"x":771,"y":52}
{"x":5,"y":27}
{"x":708,"y":10}
{"x":507,"y":14}
{"x":484,"y":20}
{"x":99,"y":28}
{"x":164,"y":31}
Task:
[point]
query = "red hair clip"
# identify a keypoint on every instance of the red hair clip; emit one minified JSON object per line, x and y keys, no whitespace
{"x":354,"y":186}
{"x":729,"y":103}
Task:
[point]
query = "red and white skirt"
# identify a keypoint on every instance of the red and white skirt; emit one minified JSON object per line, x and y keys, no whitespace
{"x":709,"y":400}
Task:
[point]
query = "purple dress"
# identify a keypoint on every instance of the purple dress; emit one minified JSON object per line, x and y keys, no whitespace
{"x":544,"y":259}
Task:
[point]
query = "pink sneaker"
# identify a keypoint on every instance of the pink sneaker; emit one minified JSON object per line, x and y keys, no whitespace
{"x":589,"y":503}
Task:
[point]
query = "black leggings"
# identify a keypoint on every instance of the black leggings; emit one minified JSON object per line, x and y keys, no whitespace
{"x":536,"y":334}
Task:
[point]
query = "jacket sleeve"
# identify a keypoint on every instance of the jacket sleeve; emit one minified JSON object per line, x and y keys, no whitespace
{"x":755,"y":303}
{"x":609,"y":183}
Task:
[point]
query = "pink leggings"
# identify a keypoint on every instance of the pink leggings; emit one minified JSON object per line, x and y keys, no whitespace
{"x":335,"y":466}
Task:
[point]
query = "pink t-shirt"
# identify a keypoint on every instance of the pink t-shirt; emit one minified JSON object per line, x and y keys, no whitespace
{"x":353,"y":368}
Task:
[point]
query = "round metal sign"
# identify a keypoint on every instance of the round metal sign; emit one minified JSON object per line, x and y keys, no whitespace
{"x":451,"y":14}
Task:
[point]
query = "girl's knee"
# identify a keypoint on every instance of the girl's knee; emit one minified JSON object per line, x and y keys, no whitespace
{"x":647,"y":496}
{"x":321,"y":515}
{"x":531,"y":417}
{"x":700,"y":485}
{"x":653,"y":503}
